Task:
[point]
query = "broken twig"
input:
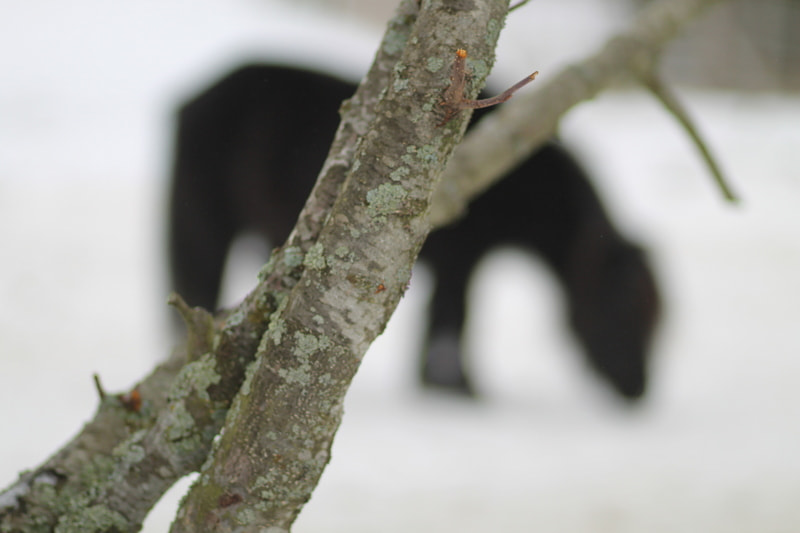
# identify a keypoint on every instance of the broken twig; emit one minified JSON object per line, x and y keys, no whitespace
{"x":454,"y":100}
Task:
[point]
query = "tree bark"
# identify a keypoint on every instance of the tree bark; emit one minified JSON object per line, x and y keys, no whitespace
{"x":324,"y":296}
{"x":277,"y":438}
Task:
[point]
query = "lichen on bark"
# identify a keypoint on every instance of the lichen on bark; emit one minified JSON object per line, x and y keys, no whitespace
{"x":274,"y":449}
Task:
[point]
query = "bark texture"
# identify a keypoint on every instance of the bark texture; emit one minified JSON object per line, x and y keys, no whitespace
{"x":277,"y":438}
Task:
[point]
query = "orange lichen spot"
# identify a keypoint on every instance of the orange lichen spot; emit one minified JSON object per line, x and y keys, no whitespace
{"x":132,"y":401}
{"x":381,"y":288}
{"x":461,"y":53}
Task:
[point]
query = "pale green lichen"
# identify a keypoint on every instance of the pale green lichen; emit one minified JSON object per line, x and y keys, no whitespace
{"x":246,"y":516}
{"x":315,"y":258}
{"x":276,"y":324}
{"x":309,"y":344}
{"x":292,"y":256}
{"x":130,"y":451}
{"x":181,"y":424}
{"x":400,"y":81}
{"x":299,"y":374}
{"x":493,"y":28}
{"x":400,"y":84}
{"x":434,"y":64}
{"x":275,"y":333}
{"x":479,"y":68}
{"x":95,"y":518}
{"x":394,"y":41}
{"x":234,"y":319}
{"x":196,"y":376}
{"x":427,"y":155}
{"x":305,"y":346}
{"x":340,"y":260}
{"x":386,"y":198}
{"x":248,"y":377}
{"x":399,"y":173}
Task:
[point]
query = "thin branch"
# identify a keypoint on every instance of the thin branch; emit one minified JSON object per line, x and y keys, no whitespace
{"x":517,"y":5}
{"x":455,"y":100}
{"x":679,"y":111}
{"x":507,"y":136}
{"x":101,"y":393}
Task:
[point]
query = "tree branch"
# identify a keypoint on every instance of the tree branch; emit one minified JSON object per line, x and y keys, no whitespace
{"x":79,"y":488}
{"x":676,"y":109}
{"x":505,"y":138}
{"x":277,"y":438}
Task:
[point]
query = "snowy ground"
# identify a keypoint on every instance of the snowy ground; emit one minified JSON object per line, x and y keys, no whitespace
{"x":84,"y":101}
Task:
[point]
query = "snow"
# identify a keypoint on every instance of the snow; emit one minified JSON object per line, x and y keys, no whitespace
{"x":84,"y":141}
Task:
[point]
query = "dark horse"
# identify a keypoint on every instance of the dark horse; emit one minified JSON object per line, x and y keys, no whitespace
{"x":248,"y":151}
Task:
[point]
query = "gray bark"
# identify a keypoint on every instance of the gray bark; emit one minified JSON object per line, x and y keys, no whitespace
{"x":288,"y":352}
{"x":277,"y":437}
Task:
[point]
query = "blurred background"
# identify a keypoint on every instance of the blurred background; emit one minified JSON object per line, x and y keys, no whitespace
{"x":87,"y":92}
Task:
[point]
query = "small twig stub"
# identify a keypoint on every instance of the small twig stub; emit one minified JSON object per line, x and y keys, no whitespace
{"x":454,"y":99}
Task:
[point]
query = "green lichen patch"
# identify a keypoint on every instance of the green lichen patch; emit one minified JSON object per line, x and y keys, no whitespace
{"x":276,"y":324}
{"x":400,"y":80}
{"x":197,"y":376}
{"x":293,"y":256}
{"x":434,"y":64}
{"x":181,"y":425}
{"x":248,"y":377}
{"x":340,"y":260}
{"x":130,"y":451}
{"x":478,"y":67}
{"x":394,"y":41}
{"x":95,"y":518}
{"x":385,"y":199}
{"x":400,"y":84}
{"x":426,"y":154}
{"x":399,"y":173}
{"x":315,"y":258}
{"x":493,"y":28}
{"x":308,"y":344}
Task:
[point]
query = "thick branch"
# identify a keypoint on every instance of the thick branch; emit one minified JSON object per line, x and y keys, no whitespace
{"x":277,"y":439}
{"x":95,"y":482}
